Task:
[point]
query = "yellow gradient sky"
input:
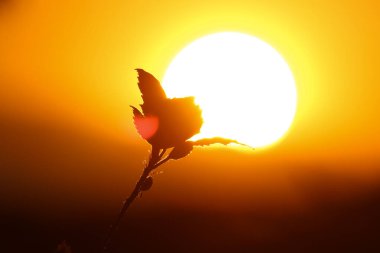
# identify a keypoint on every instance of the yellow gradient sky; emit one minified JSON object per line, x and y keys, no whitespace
{"x":69,"y":65}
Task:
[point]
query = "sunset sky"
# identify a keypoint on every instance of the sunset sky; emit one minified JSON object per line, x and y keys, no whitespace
{"x":68,"y":146}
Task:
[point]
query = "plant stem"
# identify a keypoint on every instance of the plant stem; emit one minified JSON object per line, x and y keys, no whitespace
{"x":162,"y":153}
{"x":151,"y":165}
{"x":161,"y":162}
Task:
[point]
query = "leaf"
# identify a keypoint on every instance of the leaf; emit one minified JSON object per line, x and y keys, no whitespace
{"x":181,"y":150}
{"x":145,"y":126}
{"x":151,"y":91}
{"x":179,"y":119}
{"x":216,"y":140}
{"x":136,"y":112}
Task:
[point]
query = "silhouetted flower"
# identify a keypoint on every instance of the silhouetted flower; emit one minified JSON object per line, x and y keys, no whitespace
{"x":164,"y":122}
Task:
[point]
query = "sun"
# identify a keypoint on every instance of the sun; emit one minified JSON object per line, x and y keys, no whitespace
{"x":243,"y":85}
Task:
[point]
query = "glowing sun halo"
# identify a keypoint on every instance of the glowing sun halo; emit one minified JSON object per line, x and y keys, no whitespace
{"x":243,"y":85}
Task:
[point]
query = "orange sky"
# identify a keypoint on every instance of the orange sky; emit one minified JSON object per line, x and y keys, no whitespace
{"x":67,"y":80}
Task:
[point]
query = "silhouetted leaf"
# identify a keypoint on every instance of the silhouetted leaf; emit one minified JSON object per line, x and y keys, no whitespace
{"x":215,"y":140}
{"x":145,"y":126}
{"x":181,"y":150}
{"x":179,"y":119}
{"x":151,"y":91}
{"x":136,"y":112}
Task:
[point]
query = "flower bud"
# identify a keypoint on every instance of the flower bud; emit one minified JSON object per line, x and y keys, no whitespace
{"x":147,"y":184}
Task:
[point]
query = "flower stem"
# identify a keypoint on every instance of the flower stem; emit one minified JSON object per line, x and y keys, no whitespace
{"x":162,"y":153}
{"x":151,"y":165}
{"x":161,"y":162}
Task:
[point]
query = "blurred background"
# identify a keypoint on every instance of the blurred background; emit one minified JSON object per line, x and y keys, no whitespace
{"x":69,"y":153}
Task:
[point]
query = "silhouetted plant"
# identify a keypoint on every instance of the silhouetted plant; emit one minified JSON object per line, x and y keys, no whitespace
{"x":167,"y":125}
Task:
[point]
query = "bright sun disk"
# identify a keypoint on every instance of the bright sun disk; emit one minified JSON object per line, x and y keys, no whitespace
{"x":244,"y":87}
